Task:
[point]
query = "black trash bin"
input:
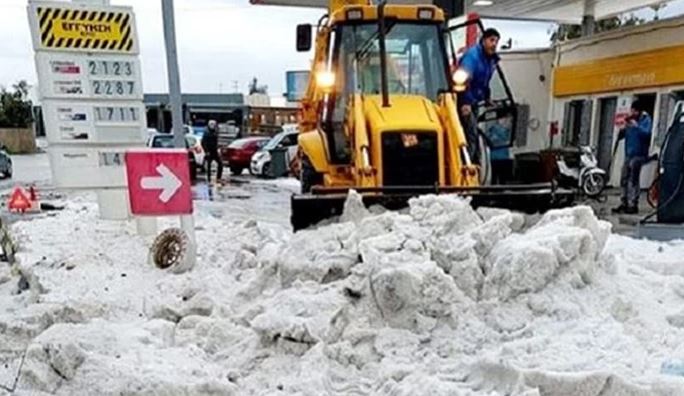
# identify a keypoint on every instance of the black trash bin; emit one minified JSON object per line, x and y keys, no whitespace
{"x":527,"y":169}
{"x":279,"y":165}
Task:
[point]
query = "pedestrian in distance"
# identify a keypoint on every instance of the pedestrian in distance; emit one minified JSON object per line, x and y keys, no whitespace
{"x":637,"y":136}
{"x":210,"y":146}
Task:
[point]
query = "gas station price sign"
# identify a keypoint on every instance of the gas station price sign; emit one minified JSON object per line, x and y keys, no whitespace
{"x":71,"y":76}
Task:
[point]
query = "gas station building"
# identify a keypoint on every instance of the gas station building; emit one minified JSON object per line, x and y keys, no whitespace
{"x":577,"y":91}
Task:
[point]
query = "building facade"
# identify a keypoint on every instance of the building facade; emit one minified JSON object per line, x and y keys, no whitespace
{"x":198,"y":109}
{"x":590,"y":84}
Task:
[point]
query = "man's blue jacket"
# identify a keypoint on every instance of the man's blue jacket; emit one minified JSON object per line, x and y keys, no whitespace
{"x":481,"y":69}
{"x":638,"y":138}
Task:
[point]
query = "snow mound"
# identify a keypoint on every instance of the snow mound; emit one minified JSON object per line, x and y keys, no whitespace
{"x":565,"y":245}
{"x":113,"y":359}
{"x":438,"y":299}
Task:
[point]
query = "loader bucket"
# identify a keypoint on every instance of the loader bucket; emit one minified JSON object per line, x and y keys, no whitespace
{"x":324,"y":203}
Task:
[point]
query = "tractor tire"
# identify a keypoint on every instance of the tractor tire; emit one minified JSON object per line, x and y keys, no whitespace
{"x":308,"y":175}
{"x":266,"y":171}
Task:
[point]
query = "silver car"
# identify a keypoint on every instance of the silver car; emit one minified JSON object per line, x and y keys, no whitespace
{"x":5,"y":164}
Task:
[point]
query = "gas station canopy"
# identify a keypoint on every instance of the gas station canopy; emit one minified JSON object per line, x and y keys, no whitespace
{"x":566,"y":11}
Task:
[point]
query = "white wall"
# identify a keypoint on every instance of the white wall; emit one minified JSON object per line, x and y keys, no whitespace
{"x":529,"y":75}
{"x":258,"y":100}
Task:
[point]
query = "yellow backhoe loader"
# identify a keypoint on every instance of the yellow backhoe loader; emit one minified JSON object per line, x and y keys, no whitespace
{"x":379,"y":116}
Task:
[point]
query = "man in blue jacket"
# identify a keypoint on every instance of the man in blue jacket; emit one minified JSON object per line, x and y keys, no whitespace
{"x":637,"y":135}
{"x":480,"y":63}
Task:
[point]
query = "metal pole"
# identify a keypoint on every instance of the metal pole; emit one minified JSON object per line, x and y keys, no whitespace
{"x":187,"y":222}
{"x":175,"y":100}
{"x":588,"y":18}
{"x":383,"y":54}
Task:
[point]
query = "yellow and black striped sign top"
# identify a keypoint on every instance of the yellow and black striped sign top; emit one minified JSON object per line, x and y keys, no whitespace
{"x":62,"y":28}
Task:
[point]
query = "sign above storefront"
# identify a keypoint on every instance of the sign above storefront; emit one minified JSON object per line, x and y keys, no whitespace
{"x":660,"y":67}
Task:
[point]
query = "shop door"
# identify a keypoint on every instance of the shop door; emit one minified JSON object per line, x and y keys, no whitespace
{"x":577,"y":123}
{"x":607,"y":108}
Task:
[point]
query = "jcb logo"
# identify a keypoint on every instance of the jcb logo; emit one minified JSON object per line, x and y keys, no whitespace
{"x":83,"y":29}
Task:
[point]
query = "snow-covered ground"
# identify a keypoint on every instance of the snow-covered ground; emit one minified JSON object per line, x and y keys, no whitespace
{"x":436,"y":300}
{"x":28,"y":169}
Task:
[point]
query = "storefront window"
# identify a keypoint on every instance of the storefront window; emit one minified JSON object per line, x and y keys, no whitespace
{"x":577,"y":123}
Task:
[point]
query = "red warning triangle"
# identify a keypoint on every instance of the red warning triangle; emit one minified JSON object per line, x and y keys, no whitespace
{"x":19,"y":200}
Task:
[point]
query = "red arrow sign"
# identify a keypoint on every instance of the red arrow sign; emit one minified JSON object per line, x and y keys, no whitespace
{"x":159,"y":182}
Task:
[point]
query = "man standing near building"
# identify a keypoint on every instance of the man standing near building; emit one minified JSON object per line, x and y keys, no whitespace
{"x":637,"y":135}
{"x":210,"y":146}
{"x":480,"y":63}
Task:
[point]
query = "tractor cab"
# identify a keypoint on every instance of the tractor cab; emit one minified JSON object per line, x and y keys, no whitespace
{"x":380,"y":53}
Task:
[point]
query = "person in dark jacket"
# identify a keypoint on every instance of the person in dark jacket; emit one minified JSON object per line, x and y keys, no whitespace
{"x":210,"y":146}
{"x":637,"y":136}
{"x":480,"y":63}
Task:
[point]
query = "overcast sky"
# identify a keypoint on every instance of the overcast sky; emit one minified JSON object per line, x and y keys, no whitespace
{"x":219,"y":42}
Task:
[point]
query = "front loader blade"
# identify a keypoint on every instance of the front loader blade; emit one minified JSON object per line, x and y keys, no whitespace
{"x":324,"y":203}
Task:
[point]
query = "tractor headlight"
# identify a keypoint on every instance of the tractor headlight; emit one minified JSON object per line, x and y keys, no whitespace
{"x":460,"y":78}
{"x":325,"y":80}
{"x":354,"y":14}
{"x":426,"y":13}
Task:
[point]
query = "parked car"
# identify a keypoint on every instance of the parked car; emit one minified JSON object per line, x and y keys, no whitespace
{"x":5,"y":163}
{"x":239,"y":153}
{"x":195,"y":145}
{"x":151,"y":132}
{"x":228,"y":132}
{"x":198,"y":130}
{"x":261,"y":160}
{"x":165,"y":141}
{"x":187,"y":130}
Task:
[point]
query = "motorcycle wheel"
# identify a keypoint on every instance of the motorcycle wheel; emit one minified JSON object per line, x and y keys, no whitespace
{"x":593,"y":185}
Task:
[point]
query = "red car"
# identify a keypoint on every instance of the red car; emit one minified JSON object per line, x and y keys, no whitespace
{"x":239,"y":153}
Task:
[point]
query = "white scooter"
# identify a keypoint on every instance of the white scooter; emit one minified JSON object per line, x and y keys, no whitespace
{"x":588,"y":177}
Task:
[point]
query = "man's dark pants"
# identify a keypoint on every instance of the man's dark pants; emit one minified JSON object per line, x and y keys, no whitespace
{"x":469,"y":124}
{"x":219,"y":172}
{"x":631,"y":172}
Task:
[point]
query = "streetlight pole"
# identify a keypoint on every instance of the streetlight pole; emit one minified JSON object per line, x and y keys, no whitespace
{"x":175,"y":100}
{"x":187,"y":221}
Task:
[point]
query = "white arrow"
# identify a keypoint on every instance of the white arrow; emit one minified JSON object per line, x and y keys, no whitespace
{"x":167,"y":181}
